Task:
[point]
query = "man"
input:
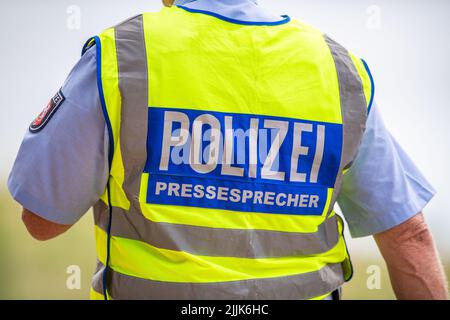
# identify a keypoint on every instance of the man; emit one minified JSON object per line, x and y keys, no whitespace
{"x":213,"y":139}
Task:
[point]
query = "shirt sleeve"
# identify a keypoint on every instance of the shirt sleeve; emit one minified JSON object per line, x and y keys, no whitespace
{"x":383,"y":188}
{"x":62,"y":170}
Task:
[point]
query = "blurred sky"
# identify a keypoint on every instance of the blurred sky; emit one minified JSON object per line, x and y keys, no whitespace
{"x":404,"y":41}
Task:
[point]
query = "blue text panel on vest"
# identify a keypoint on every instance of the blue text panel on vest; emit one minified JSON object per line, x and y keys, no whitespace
{"x":241,"y":162}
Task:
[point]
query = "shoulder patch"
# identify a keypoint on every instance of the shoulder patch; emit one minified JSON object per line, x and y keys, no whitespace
{"x":44,"y":117}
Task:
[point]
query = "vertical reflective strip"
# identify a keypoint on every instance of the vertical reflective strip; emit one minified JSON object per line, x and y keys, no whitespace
{"x":133,"y":85}
{"x":353,"y":108}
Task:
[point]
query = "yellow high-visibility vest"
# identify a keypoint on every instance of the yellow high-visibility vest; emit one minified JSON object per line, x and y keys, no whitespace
{"x":228,"y":142}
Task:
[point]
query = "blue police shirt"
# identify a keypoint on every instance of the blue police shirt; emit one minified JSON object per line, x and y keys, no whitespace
{"x":62,"y":171}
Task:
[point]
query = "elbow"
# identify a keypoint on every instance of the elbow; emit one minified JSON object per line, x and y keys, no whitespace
{"x":415,"y":233}
{"x":41,"y":229}
{"x":411,"y":239}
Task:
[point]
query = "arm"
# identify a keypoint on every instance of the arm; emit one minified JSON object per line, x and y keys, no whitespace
{"x":413,"y":262}
{"x":42,"y":229}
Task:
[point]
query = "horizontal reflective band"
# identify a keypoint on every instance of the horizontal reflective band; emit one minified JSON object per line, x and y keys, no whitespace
{"x":353,"y":107}
{"x":245,"y":243}
{"x":142,"y":260}
{"x":312,"y":285}
{"x":227,"y":219}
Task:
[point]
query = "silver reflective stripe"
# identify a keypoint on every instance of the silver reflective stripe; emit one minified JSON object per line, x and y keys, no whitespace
{"x":219,"y":241}
{"x":353,"y":108}
{"x":133,"y":85}
{"x":297,"y":287}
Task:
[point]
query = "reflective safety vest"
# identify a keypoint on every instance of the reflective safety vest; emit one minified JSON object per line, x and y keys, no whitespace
{"x":228,"y":143}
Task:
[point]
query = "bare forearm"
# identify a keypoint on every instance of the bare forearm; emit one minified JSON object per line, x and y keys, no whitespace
{"x":413,"y":262}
